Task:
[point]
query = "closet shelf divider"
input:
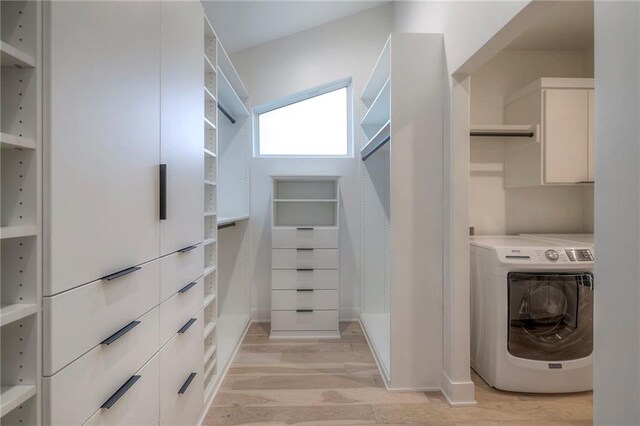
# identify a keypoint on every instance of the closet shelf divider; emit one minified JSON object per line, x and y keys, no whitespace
{"x":8,"y":141}
{"x":11,"y":397}
{"x":12,"y":57}
{"x":18,"y":231}
{"x":16,"y":312}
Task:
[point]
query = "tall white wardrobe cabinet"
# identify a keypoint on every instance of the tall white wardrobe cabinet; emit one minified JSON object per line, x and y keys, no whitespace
{"x":123,"y":203}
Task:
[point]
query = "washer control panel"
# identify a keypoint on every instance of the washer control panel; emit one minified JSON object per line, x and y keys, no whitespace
{"x":552,"y":255}
{"x":544,"y":255}
{"x":580,"y":255}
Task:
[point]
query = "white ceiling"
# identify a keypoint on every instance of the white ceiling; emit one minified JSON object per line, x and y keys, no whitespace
{"x":243,"y":24}
{"x":567,"y":26}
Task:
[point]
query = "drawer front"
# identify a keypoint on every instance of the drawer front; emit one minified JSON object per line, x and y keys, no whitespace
{"x":183,"y":353}
{"x":179,"y":269}
{"x":283,"y":279}
{"x":186,"y":407}
{"x":297,"y":258}
{"x":177,"y":310}
{"x":80,"y":389}
{"x":284,"y":300}
{"x":78,"y":320}
{"x":303,"y":321}
{"x":304,"y":237}
{"x":138,"y":406}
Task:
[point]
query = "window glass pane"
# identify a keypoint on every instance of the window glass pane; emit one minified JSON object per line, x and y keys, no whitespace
{"x":314,"y":126}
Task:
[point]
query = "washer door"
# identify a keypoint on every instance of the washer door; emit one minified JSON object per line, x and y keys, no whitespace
{"x":550,"y":316}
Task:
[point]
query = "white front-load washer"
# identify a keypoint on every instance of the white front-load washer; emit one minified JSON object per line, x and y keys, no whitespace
{"x":532,"y":314}
{"x":572,"y":239}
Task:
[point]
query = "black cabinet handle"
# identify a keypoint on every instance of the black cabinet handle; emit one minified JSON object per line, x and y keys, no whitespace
{"x":163,"y":191}
{"x":187,"y":287}
{"x":304,"y":249}
{"x":304,"y":229}
{"x":186,"y":384}
{"x":185,"y":327}
{"x":304,"y":310}
{"x":304,"y":270}
{"x":304,"y":289}
{"x":122,"y":273}
{"x":118,"y":334}
{"x":120,"y":392}
{"x":187,"y":249}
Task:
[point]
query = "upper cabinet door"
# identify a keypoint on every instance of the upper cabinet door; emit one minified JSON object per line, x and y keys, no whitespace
{"x":182,"y":127}
{"x":592,"y":135}
{"x":566,"y":123}
{"x":102,"y":85}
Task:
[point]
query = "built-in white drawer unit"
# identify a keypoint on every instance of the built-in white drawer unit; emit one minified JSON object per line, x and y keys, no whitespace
{"x":282,"y":300}
{"x":185,"y":408}
{"x":179,"y":308}
{"x":304,"y":321}
{"x":135,"y":403}
{"x":180,"y":357}
{"x":303,"y":258}
{"x":80,"y":319}
{"x":304,"y":237}
{"x":179,"y":269}
{"x":78,"y":390}
{"x":293,"y":279}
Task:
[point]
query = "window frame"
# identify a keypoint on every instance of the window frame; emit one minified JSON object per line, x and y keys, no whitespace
{"x":299,"y":97}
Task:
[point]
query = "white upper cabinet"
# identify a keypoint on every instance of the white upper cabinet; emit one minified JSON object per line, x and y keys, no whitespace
{"x":561,"y":109}
{"x":182,"y":131}
{"x":102,"y":127}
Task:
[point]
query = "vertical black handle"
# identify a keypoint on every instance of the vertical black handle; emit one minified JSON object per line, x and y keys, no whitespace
{"x":186,"y":384}
{"x":163,"y":191}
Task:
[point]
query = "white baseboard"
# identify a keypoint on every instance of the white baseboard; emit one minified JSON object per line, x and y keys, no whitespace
{"x":458,"y":394}
{"x":264,"y":315}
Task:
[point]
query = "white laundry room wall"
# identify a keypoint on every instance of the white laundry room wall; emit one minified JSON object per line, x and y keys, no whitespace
{"x":347,"y":48}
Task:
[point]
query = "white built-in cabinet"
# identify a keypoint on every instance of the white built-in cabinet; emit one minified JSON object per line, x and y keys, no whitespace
{"x":305,"y":261}
{"x":20,"y":212}
{"x":562,"y":112}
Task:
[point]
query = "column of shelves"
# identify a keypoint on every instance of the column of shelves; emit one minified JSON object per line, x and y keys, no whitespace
{"x":20,"y":212}
{"x":210,"y":214}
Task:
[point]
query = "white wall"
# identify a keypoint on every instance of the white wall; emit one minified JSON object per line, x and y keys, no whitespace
{"x":617,"y":224}
{"x":549,"y":209}
{"x":272,"y":71}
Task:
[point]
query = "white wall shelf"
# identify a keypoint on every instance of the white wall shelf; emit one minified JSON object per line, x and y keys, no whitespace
{"x":228,"y":220}
{"x":209,"y":299}
{"x":229,"y":99}
{"x":378,"y":77}
{"x":209,"y":153}
{"x":11,"y":397}
{"x":209,"y":328}
{"x":8,"y":141}
{"x":378,"y":140}
{"x":208,"y":65}
{"x":209,"y":354}
{"x":231,"y":75}
{"x":209,"y":124}
{"x":209,"y":214}
{"x":209,"y":183}
{"x":379,"y":113}
{"x":210,"y":270}
{"x":18,"y":231}
{"x":209,"y":95}
{"x":16,"y":312}
{"x":12,"y":57}
{"x":309,"y":200}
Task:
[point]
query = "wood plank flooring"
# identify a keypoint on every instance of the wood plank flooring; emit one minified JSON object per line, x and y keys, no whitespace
{"x":336,"y":382}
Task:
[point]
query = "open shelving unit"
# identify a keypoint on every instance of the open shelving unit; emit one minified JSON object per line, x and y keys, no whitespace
{"x":20,"y":213}
{"x":305,"y":202}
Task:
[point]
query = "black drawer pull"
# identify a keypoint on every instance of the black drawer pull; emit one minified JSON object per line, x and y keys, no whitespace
{"x":304,"y":310}
{"x":187,"y":287}
{"x":123,"y":389}
{"x":304,"y":289}
{"x":304,"y":229}
{"x":121,"y":273}
{"x":304,"y":249}
{"x":304,"y":270}
{"x":186,"y":384}
{"x":163,"y":191}
{"x":118,"y":334}
{"x":187,"y":249}
{"x":186,"y":326}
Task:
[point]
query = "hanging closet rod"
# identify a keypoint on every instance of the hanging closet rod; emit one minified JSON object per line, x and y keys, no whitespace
{"x":226,"y":114}
{"x":227,"y":225}
{"x":503,"y":134}
{"x":379,"y":145}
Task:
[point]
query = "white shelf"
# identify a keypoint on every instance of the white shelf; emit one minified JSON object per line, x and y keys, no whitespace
{"x":210,"y":214}
{"x":209,"y":241}
{"x":379,"y":75}
{"x":228,"y":220}
{"x":210,"y":369}
{"x":11,"y":313}
{"x":209,"y":354}
{"x":12,"y":57}
{"x":208,"y":271}
{"x":305,"y":200}
{"x":209,"y":299}
{"x":229,"y":99}
{"x":209,"y":182}
{"x":210,"y":95}
{"x":208,"y":65}
{"x":209,"y":153}
{"x":8,"y":141}
{"x":209,"y":123}
{"x":231,"y":75}
{"x":17,"y":231}
{"x":377,"y":139}
{"x":208,"y":329}
{"x":12,"y":396}
{"x":502,"y":128}
{"x":379,"y":112}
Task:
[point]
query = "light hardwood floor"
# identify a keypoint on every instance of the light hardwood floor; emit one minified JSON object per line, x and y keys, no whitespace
{"x":336,"y":382}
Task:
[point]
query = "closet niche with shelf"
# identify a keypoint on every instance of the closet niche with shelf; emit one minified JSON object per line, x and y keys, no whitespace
{"x":20,"y":213}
